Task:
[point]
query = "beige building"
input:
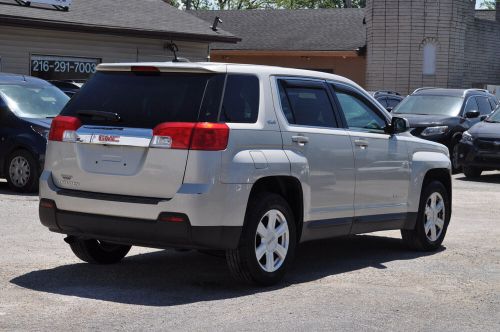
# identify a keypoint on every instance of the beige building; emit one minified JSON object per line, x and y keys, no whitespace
{"x":440,"y":43}
{"x":395,"y":45}
{"x":328,"y":40}
{"x":54,"y":44}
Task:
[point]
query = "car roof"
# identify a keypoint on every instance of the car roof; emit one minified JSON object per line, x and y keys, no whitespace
{"x":449,"y":92}
{"x":6,"y":78}
{"x":219,"y":67}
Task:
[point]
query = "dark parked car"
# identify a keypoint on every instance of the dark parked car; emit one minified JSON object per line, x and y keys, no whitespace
{"x":69,"y":87}
{"x":442,"y":115}
{"x":27,"y":106}
{"x":388,"y":99}
{"x":479,"y":149}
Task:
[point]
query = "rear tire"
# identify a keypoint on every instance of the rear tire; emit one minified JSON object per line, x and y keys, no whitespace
{"x":98,"y":252}
{"x":432,"y":219}
{"x":472,"y":172}
{"x":22,"y":172}
{"x":267,"y":244}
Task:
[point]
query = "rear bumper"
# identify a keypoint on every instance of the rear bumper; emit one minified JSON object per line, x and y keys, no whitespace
{"x":470,"y":156}
{"x":141,"y":232}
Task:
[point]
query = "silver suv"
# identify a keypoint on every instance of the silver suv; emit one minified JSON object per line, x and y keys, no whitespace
{"x":247,"y":159}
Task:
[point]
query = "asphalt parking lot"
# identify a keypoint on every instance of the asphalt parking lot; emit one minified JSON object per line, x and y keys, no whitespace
{"x":367,"y":282}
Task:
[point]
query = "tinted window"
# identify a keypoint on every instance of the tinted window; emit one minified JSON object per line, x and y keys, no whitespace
{"x":241,"y":99}
{"x":471,"y":105}
{"x":493,"y":102}
{"x":307,"y":106}
{"x":382,"y":101}
{"x":145,"y":100}
{"x":359,"y":114}
{"x":391,"y":102}
{"x":484,"y":105}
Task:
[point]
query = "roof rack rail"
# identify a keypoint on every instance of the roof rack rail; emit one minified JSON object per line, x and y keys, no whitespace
{"x":424,"y":88}
{"x":475,"y":89}
{"x":389,"y":92}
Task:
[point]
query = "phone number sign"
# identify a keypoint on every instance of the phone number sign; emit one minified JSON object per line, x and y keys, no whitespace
{"x":51,"y":67}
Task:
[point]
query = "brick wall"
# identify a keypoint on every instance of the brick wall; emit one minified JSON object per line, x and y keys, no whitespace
{"x":397,"y":31}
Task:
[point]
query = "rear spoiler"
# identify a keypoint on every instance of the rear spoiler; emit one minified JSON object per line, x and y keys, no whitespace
{"x":166,"y":67}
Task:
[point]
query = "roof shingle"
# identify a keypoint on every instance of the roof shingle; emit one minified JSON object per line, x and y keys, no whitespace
{"x":146,"y":17}
{"x":292,"y":30}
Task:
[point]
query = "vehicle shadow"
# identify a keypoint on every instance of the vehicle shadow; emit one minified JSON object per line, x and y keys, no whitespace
{"x":486,"y":178}
{"x":168,"y":277}
{"x":4,"y":189}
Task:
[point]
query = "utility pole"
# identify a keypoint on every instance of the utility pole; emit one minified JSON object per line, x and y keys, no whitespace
{"x":348,"y":3}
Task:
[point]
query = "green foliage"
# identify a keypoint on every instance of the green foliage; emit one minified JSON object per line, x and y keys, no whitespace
{"x":488,"y":4}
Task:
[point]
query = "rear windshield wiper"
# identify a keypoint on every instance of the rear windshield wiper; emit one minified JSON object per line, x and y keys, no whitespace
{"x":114,"y":117}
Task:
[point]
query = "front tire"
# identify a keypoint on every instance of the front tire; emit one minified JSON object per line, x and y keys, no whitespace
{"x":432,"y":219}
{"x":22,"y":172}
{"x":98,"y":252}
{"x":267,"y":244}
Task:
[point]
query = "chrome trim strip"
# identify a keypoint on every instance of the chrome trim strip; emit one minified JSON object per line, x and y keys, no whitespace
{"x":114,"y":136}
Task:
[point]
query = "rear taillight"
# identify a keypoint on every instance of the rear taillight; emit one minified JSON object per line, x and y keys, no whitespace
{"x":194,"y":136}
{"x":210,"y":136}
{"x":173,"y":135}
{"x":63,"y":128}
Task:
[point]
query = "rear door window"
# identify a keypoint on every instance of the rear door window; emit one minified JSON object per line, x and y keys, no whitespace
{"x":144,"y":100}
{"x":241,"y":99}
{"x":307,"y":105}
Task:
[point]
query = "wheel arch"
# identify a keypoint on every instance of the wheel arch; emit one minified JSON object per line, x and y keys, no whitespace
{"x":290,"y":189}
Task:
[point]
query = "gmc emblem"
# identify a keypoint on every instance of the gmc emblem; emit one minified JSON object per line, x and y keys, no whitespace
{"x":109,"y":138}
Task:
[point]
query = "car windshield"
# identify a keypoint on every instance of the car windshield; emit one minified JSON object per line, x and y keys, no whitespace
{"x":33,"y":101}
{"x":430,"y":105}
{"x":495,"y":117}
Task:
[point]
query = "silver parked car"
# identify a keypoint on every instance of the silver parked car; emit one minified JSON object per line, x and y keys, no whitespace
{"x":248,"y":159}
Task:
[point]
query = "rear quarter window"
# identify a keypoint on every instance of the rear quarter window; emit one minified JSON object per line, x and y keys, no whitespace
{"x":241,"y":99}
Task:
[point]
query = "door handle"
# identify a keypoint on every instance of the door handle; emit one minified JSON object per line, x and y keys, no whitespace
{"x":361,"y":143}
{"x":299,"y":139}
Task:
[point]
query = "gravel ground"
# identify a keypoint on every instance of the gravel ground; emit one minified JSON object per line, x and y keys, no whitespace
{"x":367,"y":282}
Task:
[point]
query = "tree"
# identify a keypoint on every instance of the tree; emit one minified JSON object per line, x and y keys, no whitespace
{"x":489,"y":4}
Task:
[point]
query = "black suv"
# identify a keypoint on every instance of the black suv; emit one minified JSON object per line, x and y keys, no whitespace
{"x":479,"y":149}
{"x":27,"y":106}
{"x":442,"y":115}
{"x":388,"y":99}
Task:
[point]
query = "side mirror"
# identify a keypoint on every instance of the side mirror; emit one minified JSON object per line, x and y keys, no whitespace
{"x":483,"y":117}
{"x":398,"y":125}
{"x":472,"y":114}
{"x":389,"y":108}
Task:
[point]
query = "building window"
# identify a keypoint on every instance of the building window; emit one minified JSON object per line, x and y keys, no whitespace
{"x":429,"y":63}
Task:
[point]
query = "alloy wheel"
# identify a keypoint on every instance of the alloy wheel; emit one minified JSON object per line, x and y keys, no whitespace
{"x":434,"y":216}
{"x":272,"y":240}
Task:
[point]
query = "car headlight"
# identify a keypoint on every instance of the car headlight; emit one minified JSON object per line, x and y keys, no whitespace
{"x":432,"y":131}
{"x":42,"y":131}
{"x":467,"y":137}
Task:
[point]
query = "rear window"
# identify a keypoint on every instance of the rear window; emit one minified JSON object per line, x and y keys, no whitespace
{"x":145,"y":100}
